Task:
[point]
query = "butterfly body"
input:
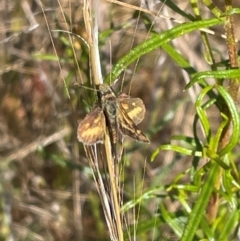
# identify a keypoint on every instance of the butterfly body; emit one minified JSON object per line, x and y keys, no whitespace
{"x":118,"y":114}
{"x":110,"y":106}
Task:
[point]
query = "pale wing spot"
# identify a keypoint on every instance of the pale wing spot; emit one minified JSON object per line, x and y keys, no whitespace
{"x":136,"y":111}
{"x":139,"y":132}
{"x":96,"y":121}
{"x":87,"y":125}
{"x":97,"y":131}
{"x":125,"y":106}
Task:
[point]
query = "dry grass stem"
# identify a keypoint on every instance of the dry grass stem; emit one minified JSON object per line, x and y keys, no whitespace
{"x":41,"y":142}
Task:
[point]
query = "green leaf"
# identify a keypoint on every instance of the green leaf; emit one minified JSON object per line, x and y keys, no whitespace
{"x":175,"y":148}
{"x":179,"y":59}
{"x":229,"y":224}
{"x":199,"y":208}
{"x":219,"y":74}
{"x":172,"y":222}
{"x":233,"y":140}
{"x":157,"y":41}
{"x":176,"y":9}
{"x":201,"y":113}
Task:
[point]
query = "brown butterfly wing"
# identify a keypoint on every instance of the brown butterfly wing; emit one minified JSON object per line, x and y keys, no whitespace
{"x":133,"y":106}
{"x":92,"y":128}
{"x":128,"y":127}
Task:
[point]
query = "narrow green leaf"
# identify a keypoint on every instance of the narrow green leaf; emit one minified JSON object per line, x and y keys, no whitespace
{"x":229,"y":224}
{"x":157,"y":41}
{"x":208,"y":231}
{"x":215,"y":141}
{"x":219,"y":74}
{"x":201,"y":113}
{"x":232,"y":11}
{"x":235,"y":121}
{"x":176,"y":9}
{"x":200,"y":205}
{"x":175,"y":148}
{"x":149,"y":194}
{"x":49,"y":57}
{"x":187,"y":139}
{"x":179,"y":59}
{"x":176,"y":228}
{"x":214,"y":9}
{"x":190,"y":188}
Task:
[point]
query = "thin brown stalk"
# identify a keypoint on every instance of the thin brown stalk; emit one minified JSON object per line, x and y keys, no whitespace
{"x":42,"y":141}
{"x":108,"y":192}
{"x":233,"y":91}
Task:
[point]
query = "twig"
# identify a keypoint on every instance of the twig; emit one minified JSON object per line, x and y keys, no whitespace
{"x":44,"y":141}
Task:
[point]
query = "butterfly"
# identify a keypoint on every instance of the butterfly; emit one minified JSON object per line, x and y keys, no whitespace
{"x":117,"y":114}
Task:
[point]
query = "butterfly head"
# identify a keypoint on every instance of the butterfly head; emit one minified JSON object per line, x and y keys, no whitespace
{"x":104,"y":90}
